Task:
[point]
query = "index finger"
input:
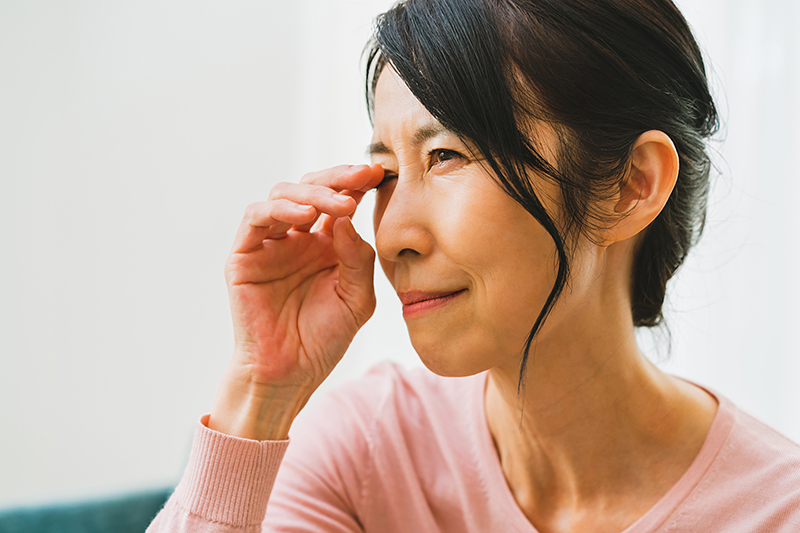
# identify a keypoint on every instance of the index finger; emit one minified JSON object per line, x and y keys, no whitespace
{"x":347,"y":177}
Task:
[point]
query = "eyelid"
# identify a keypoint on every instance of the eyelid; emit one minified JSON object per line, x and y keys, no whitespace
{"x":388,"y":175}
{"x":454,"y":153}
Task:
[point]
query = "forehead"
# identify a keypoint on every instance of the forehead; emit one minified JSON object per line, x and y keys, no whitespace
{"x":397,"y":112}
{"x":400,"y":118}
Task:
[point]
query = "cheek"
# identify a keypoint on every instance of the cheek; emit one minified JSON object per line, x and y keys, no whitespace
{"x":380,"y":206}
{"x":381,"y":201}
{"x":487,"y":232}
{"x":510,"y":259}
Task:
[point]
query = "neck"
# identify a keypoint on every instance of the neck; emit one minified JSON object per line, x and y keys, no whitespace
{"x":595,"y":423}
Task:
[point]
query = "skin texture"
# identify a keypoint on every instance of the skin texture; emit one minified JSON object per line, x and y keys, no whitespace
{"x":599,"y":435}
{"x":603,"y":434}
{"x":297,"y":297}
{"x":442,"y":224}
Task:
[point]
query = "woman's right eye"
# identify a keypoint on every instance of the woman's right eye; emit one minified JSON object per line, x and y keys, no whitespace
{"x":387,"y":177}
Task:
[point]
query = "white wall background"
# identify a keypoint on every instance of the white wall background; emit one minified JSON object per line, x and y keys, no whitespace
{"x":133,"y":134}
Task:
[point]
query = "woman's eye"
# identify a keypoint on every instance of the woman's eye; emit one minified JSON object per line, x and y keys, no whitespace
{"x":441,"y":155}
{"x":387,"y":177}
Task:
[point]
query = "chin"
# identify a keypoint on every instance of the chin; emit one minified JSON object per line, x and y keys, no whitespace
{"x":451,"y":362}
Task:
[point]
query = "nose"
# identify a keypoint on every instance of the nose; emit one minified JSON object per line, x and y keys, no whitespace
{"x":402,"y":221}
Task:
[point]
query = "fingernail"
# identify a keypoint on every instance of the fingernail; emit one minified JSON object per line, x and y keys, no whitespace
{"x":341,"y":197}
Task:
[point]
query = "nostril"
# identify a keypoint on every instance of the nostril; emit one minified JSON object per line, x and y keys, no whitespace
{"x":408,"y":252}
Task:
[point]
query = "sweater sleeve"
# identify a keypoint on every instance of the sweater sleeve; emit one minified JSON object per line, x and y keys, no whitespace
{"x":319,"y":480}
{"x":225,"y":486}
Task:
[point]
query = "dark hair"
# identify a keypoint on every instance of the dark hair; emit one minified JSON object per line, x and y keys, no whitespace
{"x":600,"y":73}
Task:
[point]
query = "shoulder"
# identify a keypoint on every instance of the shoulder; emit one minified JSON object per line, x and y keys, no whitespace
{"x":753,"y":482}
{"x":763,"y":456}
{"x":756,"y":444}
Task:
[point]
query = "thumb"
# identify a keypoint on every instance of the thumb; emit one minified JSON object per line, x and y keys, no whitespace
{"x":356,"y":270}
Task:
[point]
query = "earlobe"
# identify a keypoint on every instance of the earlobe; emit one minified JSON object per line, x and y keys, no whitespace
{"x":652,"y":175}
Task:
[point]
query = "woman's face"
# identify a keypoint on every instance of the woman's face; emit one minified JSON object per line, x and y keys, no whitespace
{"x":471,"y":266}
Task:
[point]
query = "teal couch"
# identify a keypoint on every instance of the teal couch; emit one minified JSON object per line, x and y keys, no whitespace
{"x":129,"y":513}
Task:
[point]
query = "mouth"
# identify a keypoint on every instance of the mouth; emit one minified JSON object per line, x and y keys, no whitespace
{"x":416,"y":303}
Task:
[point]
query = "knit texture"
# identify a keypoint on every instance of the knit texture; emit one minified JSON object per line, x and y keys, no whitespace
{"x":402,"y":451}
{"x":228,"y":480}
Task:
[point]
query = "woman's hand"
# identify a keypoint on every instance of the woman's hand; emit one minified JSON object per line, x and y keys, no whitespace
{"x":300,"y":282}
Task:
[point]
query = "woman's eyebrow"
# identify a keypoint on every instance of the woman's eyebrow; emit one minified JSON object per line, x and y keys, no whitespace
{"x":419,"y":137}
{"x":377,"y":148}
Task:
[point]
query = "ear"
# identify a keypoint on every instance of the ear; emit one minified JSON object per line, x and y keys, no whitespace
{"x":647,"y":186}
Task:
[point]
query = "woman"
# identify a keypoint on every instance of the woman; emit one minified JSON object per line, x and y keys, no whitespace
{"x":541,"y":174}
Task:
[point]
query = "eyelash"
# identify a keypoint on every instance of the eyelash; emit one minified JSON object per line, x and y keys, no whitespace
{"x":388,"y":176}
{"x":438,"y":151}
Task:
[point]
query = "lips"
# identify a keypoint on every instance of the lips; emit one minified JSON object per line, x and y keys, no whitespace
{"x":413,"y":297}
{"x":416,"y":303}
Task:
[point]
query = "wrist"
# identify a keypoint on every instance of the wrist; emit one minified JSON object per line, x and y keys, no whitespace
{"x":256,"y":411}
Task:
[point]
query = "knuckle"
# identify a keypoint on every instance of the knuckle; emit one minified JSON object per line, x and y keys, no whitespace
{"x":251,"y":210}
{"x":325,"y":177}
{"x":340,"y":169}
{"x":230,"y":271}
{"x":278,"y":190}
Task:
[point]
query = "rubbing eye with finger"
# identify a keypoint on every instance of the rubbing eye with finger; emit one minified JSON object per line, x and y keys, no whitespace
{"x":541,"y":171}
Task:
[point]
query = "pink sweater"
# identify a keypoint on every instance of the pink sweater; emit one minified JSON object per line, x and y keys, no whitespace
{"x":411,"y":452}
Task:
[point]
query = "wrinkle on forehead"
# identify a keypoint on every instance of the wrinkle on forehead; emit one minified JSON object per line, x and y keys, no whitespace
{"x":396,"y":106}
{"x":418,"y":138}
